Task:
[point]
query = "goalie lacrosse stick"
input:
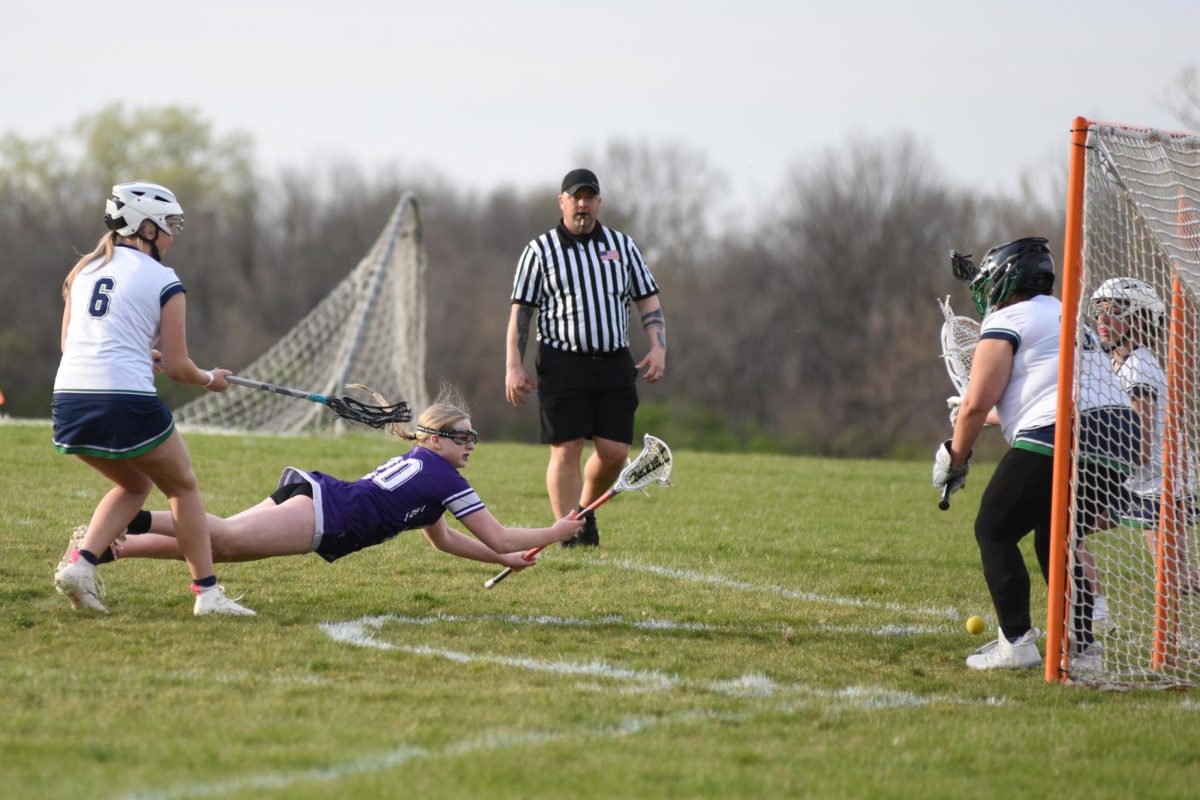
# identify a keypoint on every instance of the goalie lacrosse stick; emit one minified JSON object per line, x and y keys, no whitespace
{"x":653,"y":465}
{"x":345,"y":407}
{"x":960,"y":335}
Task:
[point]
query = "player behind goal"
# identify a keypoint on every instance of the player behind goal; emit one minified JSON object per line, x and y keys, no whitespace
{"x":1131,"y":320}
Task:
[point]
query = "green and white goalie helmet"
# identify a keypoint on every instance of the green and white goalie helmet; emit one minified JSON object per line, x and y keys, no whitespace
{"x":1021,"y":266}
{"x":137,"y":201}
{"x":1128,"y":295}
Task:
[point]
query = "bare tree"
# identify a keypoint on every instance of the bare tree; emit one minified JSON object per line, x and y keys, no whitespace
{"x":1184,"y":98}
{"x":664,"y":195}
{"x":814,"y":331}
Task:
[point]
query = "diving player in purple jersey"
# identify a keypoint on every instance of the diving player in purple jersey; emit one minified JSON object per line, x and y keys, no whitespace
{"x":311,"y":512}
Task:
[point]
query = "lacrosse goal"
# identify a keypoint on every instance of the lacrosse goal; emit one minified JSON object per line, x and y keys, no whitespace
{"x":1131,"y":283}
{"x":370,"y":329}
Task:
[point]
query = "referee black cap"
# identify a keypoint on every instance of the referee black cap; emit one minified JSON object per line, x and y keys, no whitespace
{"x":578,"y":179}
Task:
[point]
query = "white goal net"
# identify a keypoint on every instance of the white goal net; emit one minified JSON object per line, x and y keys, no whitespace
{"x":1132,"y":616}
{"x":370,"y":329}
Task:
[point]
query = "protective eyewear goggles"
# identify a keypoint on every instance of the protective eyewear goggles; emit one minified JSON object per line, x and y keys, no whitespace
{"x":1109,"y":308}
{"x":175,"y":224}
{"x":460,"y":436}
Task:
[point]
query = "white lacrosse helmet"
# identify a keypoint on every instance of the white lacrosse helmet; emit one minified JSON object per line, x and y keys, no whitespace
{"x":131,"y":203}
{"x":1133,"y":295}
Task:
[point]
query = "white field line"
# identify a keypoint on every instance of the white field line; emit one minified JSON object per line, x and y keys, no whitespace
{"x":653,"y":624}
{"x":713,"y":579}
{"x":200,"y":676}
{"x":361,"y":633}
{"x":606,"y":621}
{"x":29,"y":422}
{"x":887,"y":630}
{"x":395,"y":758}
{"x":189,"y":675}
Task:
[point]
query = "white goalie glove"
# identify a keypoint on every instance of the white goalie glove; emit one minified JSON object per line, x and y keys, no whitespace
{"x":946,"y":475}
{"x":953,"y":403}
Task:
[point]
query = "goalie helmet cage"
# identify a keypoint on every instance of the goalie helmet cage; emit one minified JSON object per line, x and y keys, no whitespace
{"x":1133,"y":211}
{"x":369,"y":329}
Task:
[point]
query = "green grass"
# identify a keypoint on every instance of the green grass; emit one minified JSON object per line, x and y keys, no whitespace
{"x":655,"y":667}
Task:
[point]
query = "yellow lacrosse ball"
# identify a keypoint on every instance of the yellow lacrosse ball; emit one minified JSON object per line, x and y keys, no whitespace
{"x":975,"y":625}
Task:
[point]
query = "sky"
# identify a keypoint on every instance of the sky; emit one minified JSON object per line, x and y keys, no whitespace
{"x":493,"y":94}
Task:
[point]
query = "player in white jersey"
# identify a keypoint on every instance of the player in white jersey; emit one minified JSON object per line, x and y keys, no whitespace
{"x":1013,"y":384}
{"x":1131,"y":320}
{"x":121,"y":302}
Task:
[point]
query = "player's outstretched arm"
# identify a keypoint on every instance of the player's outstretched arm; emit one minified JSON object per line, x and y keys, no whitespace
{"x":448,"y":540}
{"x":488,"y":530}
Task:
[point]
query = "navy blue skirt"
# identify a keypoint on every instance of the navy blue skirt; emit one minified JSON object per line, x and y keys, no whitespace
{"x":109,"y":424}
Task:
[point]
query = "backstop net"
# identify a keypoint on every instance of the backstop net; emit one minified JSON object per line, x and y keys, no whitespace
{"x":370,"y":329}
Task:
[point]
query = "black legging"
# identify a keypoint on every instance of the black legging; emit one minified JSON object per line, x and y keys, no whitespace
{"x":1016,"y":501}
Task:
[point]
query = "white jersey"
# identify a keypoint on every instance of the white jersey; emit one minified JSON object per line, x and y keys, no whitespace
{"x":1142,"y":377}
{"x":115,"y":314}
{"x":1032,"y":328}
{"x":1099,"y":387}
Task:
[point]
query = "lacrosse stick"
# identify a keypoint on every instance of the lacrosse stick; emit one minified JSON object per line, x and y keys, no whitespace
{"x":960,"y":335}
{"x":345,"y":407}
{"x":653,"y":465}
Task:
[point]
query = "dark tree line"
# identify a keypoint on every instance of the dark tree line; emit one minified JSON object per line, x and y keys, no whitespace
{"x":813,"y":328}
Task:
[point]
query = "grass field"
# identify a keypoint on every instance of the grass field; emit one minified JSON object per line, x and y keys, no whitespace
{"x":768,"y":627}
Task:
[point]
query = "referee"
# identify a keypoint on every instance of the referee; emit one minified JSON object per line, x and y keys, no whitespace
{"x":580,"y":278}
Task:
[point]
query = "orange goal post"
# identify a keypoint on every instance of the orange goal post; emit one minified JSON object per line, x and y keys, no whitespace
{"x":1123,"y":606}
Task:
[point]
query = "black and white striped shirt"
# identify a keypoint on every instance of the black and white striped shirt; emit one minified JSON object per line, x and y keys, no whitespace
{"x":582,"y":287}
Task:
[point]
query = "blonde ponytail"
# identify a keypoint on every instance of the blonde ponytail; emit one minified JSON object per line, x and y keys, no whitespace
{"x":104,"y":250}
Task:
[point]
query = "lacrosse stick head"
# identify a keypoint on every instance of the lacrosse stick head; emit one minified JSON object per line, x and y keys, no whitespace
{"x":379,"y":416}
{"x":963,"y":267}
{"x":375,"y":416}
{"x":960,"y":335}
{"x":653,"y":465}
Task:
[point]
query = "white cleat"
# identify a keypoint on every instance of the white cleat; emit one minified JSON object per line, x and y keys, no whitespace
{"x":1003,"y":654}
{"x":1087,"y":658}
{"x":214,"y":601}
{"x":82,"y":586}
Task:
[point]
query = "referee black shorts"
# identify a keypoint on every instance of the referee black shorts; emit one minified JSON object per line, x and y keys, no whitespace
{"x":583,"y":396}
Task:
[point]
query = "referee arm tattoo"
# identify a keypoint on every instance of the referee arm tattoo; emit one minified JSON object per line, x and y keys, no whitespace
{"x":655,"y":319}
{"x":524,"y":315}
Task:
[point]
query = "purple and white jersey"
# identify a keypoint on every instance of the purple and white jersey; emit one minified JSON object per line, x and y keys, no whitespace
{"x":406,"y":492}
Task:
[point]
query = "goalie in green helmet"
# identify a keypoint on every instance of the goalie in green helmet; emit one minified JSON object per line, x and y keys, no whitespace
{"x":1014,"y":384}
